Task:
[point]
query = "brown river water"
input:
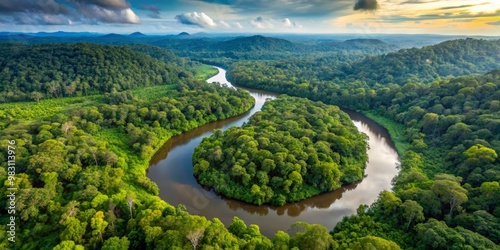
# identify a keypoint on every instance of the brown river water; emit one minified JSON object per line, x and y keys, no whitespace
{"x":172,"y":170}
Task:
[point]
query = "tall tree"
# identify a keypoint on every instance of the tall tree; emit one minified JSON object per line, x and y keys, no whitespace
{"x":412,"y":211}
{"x":450,"y":191}
{"x":98,"y":224}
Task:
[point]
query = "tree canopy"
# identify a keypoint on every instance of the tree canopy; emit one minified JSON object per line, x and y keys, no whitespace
{"x":291,"y":150}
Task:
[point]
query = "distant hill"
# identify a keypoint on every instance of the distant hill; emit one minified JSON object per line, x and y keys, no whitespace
{"x":60,"y":70}
{"x":111,"y":35}
{"x":234,"y":47}
{"x":365,"y":41}
{"x":201,"y":45}
{"x":161,"y":54}
{"x":450,"y":58}
{"x":137,"y":34}
{"x":63,"y":34}
{"x":256,"y":43}
{"x":112,"y":38}
{"x":185,"y":45}
{"x":241,"y":44}
{"x":15,"y":37}
{"x":366,"y":45}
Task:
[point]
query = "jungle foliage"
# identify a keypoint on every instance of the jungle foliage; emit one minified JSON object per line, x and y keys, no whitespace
{"x":446,"y":196}
{"x":417,"y":65}
{"x":81,"y":160}
{"x":36,"y":72}
{"x":291,"y":150}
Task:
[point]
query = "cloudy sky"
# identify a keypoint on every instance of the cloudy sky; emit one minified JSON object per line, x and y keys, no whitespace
{"x":462,"y":17}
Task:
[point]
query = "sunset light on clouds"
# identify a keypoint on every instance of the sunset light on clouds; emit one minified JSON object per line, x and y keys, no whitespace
{"x":462,"y":17}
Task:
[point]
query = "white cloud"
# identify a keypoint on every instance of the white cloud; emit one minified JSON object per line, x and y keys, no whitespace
{"x":287,"y":23}
{"x":238,"y":25}
{"x":262,"y":23}
{"x":129,"y":16}
{"x":95,"y":12}
{"x":224,"y":24}
{"x":193,"y":18}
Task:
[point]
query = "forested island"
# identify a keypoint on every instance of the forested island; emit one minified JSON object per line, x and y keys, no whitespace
{"x":85,"y":119}
{"x":291,"y":150}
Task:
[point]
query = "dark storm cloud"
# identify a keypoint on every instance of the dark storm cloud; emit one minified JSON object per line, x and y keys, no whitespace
{"x":285,"y":8}
{"x":47,"y":6}
{"x":107,"y":4}
{"x":366,"y":5}
{"x":155,"y":10}
{"x":65,"y":12}
{"x":29,"y":19}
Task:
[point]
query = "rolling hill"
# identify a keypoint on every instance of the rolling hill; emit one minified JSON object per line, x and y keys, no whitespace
{"x":450,"y":58}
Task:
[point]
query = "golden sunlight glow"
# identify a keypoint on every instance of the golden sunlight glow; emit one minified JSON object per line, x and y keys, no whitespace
{"x":444,"y":17}
{"x":486,"y":7}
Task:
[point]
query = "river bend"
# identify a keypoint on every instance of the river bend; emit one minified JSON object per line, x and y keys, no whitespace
{"x":172,"y":170}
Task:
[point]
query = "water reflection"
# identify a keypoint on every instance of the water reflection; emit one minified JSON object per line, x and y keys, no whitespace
{"x":294,"y":209}
{"x":171,"y":168}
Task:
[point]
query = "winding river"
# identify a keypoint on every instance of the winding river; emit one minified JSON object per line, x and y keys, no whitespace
{"x":172,"y":170}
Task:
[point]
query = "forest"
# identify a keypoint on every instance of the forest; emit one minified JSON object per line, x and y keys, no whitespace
{"x":81,"y":162}
{"x":221,"y":50}
{"x":86,"y":122}
{"x":424,"y":65}
{"x":291,"y":150}
{"x":224,"y":52}
{"x":446,"y":195}
{"x":35,"y":72}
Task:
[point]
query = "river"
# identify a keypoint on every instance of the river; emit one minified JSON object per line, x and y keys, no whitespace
{"x":172,"y":170}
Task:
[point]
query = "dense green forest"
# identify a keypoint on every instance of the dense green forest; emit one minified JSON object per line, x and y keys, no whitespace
{"x":35,"y":72}
{"x":81,"y":158}
{"x":221,"y":50}
{"x":226,"y":52}
{"x":81,"y":161}
{"x":81,"y":172}
{"x":446,"y":196}
{"x":291,"y":150}
{"x":451,"y":58}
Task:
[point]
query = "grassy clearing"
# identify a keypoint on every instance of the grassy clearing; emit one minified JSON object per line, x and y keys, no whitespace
{"x":203,"y":72}
{"x":395,"y":130}
{"x":47,"y":108}
{"x":117,"y":140}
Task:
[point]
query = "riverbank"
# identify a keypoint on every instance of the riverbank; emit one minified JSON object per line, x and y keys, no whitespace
{"x":205,"y":72}
{"x":395,"y":129}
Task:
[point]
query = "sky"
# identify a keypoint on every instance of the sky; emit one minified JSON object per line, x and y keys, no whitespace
{"x":449,"y":17}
